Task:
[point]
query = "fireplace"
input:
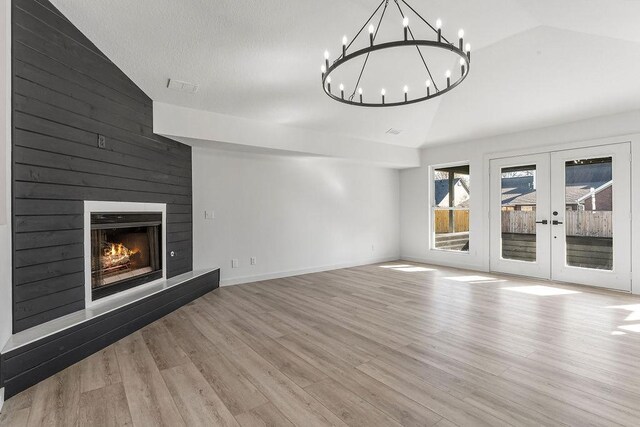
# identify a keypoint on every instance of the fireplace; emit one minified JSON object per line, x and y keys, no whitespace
{"x":126,"y":251}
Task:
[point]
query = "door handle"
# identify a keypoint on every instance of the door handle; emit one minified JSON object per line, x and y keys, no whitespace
{"x":543,"y":222}
{"x":556,"y":222}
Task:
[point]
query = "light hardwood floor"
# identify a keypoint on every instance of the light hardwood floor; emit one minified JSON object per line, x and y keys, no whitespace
{"x":410,"y":345}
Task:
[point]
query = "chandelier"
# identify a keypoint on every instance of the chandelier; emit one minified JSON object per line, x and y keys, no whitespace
{"x":433,"y":87}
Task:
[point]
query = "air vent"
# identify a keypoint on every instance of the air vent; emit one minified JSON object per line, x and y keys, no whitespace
{"x":393,"y":131}
{"x":182,"y":86}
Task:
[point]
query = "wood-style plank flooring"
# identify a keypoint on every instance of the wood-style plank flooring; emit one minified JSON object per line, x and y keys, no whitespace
{"x":381,"y":345}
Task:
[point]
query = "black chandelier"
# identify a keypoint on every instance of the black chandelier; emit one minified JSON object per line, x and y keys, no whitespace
{"x":431,"y":89}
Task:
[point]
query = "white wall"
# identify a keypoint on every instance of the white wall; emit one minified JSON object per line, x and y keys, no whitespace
{"x":415,"y":183}
{"x":5,"y":235}
{"x":294,"y":214}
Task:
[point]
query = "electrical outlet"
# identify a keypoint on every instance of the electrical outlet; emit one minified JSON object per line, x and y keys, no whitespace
{"x":235,"y":263}
{"x":253,"y":260}
{"x":209,"y":214}
{"x":102,"y":141}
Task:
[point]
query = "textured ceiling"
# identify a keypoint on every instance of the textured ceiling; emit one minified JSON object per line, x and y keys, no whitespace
{"x":535,"y":63}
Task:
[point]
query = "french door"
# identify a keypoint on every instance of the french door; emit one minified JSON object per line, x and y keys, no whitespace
{"x":564,"y":215}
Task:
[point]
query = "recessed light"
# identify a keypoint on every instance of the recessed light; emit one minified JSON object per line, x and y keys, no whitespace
{"x":393,"y":131}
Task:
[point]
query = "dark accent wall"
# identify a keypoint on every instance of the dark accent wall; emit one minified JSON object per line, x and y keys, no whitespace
{"x":65,"y":93}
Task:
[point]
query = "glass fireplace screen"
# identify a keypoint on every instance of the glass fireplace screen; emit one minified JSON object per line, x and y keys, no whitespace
{"x":126,"y":251}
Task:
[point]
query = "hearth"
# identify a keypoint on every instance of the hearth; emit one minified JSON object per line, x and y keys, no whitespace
{"x":126,"y":251}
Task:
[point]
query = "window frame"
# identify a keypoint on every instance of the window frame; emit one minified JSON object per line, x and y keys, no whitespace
{"x":433,"y":207}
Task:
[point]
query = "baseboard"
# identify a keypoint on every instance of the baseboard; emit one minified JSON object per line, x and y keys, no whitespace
{"x":1,"y":398}
{"x":281,"y":274}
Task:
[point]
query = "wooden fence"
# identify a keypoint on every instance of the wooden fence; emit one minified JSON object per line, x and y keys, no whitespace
{"x":577,"y":223}
{"x":519,"y":222}
{"x":460,"y":221}
{"x":581,"y":251}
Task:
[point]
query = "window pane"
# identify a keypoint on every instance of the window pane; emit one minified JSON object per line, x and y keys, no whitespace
{"x":452,"y":229}
{"x":451,"y":208}
{"x":588,"y":215}
{"x":519,"y":200}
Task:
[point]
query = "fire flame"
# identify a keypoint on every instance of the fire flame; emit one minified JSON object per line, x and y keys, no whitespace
{"x":118,"y":249}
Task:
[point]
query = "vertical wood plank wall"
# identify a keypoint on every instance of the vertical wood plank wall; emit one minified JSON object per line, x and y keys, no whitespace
{"x":65,"y":93}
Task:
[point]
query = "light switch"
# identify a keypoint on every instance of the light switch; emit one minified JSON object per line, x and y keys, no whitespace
{"x":209,"y":215}
{"x":234,"y":263}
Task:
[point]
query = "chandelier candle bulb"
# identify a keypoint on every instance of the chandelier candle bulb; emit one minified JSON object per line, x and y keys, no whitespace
{"x":448,"y":76}
{"x":462,"y":65}
{"x":329,"y":83}
{"x":372,"y":30}
{"x":324,"y":70}
{"x":326,"y":59}
{"x":360,"y":93}
{"x":344,"y":46}
{"x":383,"y":93}
{"x":341,"y":90}
{"x":405,"y":24}
{"x":468,"y":49}
{"x":439,"y":27}
{"x":406,"y":93}
{"x":461,"y":37}
{"x":428,"y":88}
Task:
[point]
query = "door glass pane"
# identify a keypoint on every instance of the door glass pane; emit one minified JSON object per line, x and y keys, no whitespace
{"x":451,"y":208}
{"x":519,"y":201}
{"x":588,"y":215}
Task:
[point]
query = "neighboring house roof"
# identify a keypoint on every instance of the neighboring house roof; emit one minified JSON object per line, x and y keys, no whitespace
{"x":519,"y":191}
{"x":511,"y":198}
{"x":526,"y":197}
{"x":595,"y":191}
{"x":442,"y":191}
{"x":577,"y":192}
{"x":589,"y":174}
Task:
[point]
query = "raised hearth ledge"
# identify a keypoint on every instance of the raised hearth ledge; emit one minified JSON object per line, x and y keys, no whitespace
{"x":118,"y":301}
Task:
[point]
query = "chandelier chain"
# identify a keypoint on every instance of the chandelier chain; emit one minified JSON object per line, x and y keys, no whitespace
{"x":435,"y":85}
{"x":424,"y":20}
{"x":365,"y":25}
{"x":364,"y":65}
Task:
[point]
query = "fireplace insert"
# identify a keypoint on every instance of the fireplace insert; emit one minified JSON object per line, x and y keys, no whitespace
{"x":126,"y":251}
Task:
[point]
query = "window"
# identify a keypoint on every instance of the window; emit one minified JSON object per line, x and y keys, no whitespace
{"x":450,"y":208}
{"x":518,"y":213}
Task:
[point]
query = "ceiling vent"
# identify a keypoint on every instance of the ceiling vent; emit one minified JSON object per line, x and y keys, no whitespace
{"x":393,"y":131}
{"x":182,"y":86}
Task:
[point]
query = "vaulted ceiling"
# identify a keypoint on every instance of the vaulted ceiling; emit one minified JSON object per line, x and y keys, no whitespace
{"x":535,"y":63}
